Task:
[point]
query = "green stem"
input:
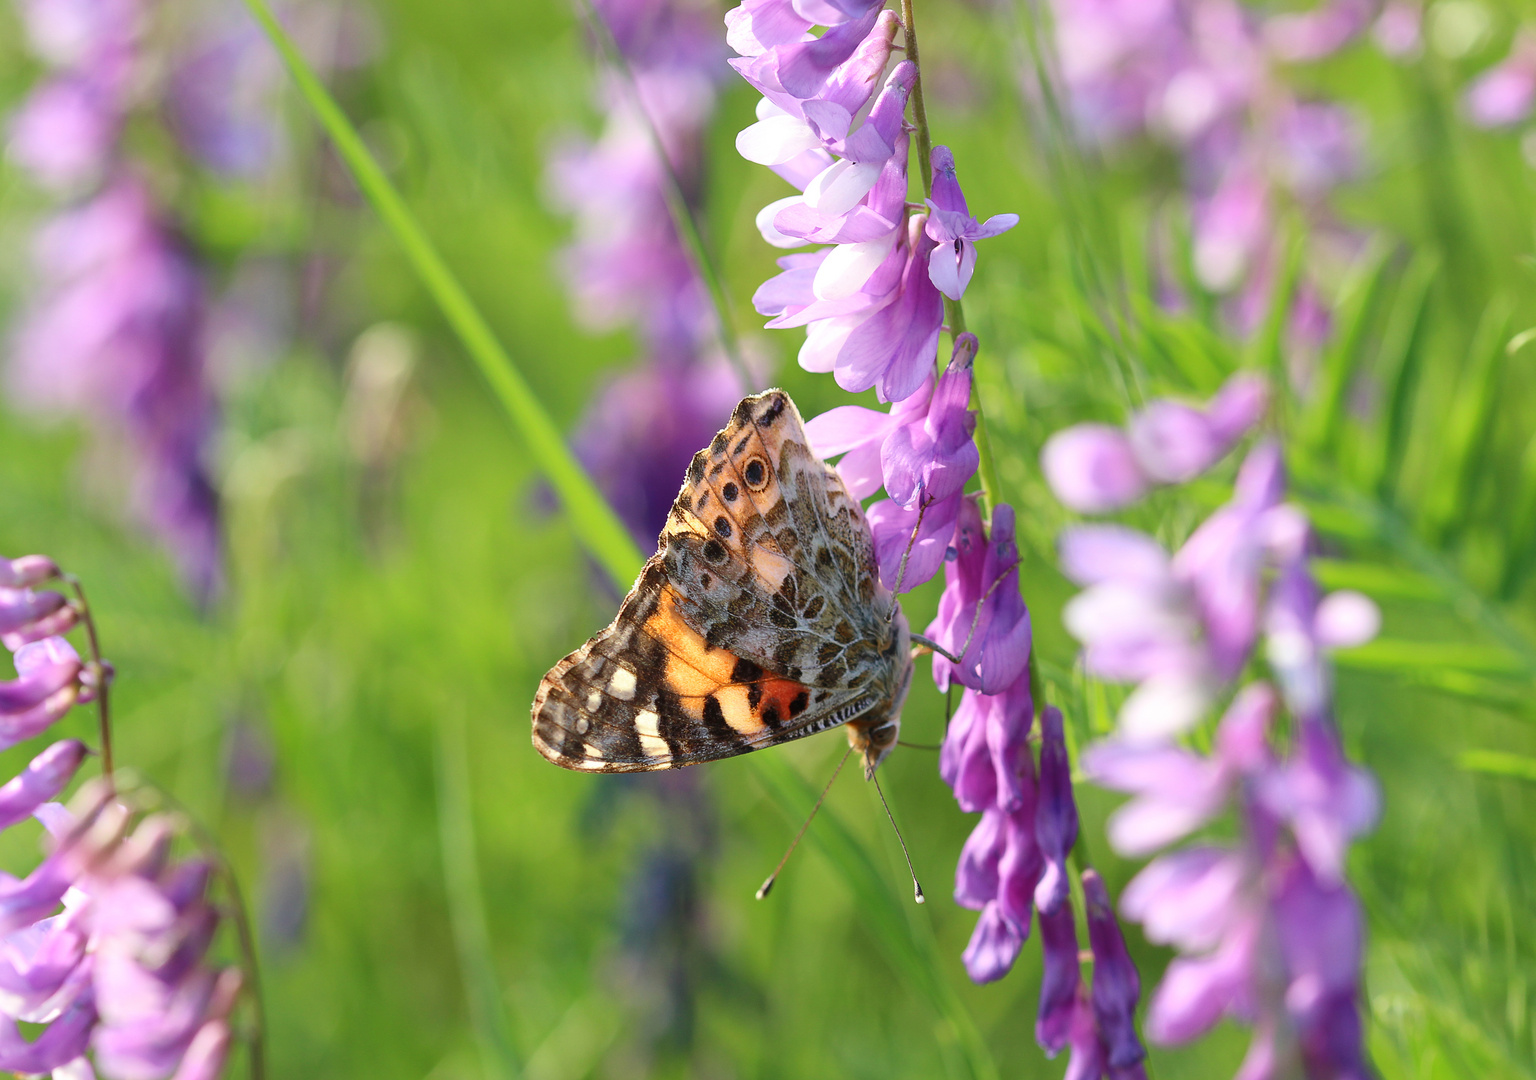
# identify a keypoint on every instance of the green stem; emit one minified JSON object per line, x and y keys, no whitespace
{"x":678,"y":206}
{"x":919,"y":109}
{"x":591,"y":516}
{"x":101,"y":671}
{"x":954,"y":312}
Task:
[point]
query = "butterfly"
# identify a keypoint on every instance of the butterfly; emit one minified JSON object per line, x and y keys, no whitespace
{"x":760,"y":619}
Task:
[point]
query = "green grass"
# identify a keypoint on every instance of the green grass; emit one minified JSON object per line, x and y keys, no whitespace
{"x":385,"y":630}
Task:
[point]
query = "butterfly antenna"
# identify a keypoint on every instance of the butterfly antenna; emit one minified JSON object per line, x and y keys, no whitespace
{"x":767,"y":885}
{"x":933,"y":646}
{"x":917,"y":890}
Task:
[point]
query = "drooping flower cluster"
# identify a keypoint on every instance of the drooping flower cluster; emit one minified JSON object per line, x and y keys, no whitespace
{"x":628,"y":264}
{"x":116,"y":331}
{"x":1270,"y":933}
{"x":1206,"y":78}
{"x":105,"y":943}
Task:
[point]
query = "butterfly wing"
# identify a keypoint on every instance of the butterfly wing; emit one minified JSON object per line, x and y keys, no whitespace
{"x":760,"y":618}
{"x":650,"y":693}
{"x":772,"y":558}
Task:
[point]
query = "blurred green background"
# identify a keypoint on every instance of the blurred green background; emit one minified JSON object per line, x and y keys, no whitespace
{"x":351,"y":718}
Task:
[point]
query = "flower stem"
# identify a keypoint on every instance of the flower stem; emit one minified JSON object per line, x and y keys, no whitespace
{"x":101,"y":671}
{"x":678,"y":205}
{"x":954,"y":312}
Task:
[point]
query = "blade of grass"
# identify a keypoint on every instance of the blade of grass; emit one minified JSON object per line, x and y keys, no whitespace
{"x":1464,"y":437}
{"x":593,"y":519}
{"x":1362,"y":296}
{"x":466,"y":910}
{"x":911,"y":952}
{"x":1385,"y":654}
{"x":1520,"y":540}
{"x":1498,"y":763}
{"x":1402,"y":349}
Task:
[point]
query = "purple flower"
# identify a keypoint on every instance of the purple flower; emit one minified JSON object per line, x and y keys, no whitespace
{"x":1314,"y":34}
{"x":911,"y":545}
{"x":1177,"y":790}
{"x":117,"y":337}
{"x":982,"y":618}
{"x":40,"y":781}
{"x":982,"y":759}
{"x":64,"y":134}
{"x":1116,"y":986}
{"x":1055,"y":813}
{"x":954,"y":230}
{"x":27,"y":570}
{"x":1093,"y":468}
{"x":921,"y":451}
{"x":29,"y":616}
{"x":219,"y":99}
{"x":641,"y":430}
{"x":1060,"y":979}
{"x":48,"y":687}
{"x":996,"y":875}
{"x":1503,"y":95}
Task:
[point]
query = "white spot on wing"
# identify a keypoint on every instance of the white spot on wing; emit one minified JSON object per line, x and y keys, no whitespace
{"x":622,"y":685}
{"x":646,"y":722}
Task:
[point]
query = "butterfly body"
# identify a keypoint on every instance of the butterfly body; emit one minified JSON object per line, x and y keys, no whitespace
{"x":760,"y":619}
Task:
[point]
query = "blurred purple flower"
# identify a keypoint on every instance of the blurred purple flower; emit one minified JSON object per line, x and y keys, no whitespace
{"x":1503,"y":95}
{"x":63,"y":135}
{"x":641,"y":430}
{"x":116,"y":336}
{"x":219,"y":98}
{"x":47,"y":688}
{"x":1094,"y":468}
{"x":43,"y":778}
{"x":951,"y":226}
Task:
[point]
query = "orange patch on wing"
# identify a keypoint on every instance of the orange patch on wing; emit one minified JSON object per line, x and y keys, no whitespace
{"x":694,"y":670}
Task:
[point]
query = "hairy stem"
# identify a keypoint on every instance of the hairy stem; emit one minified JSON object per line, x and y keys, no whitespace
{"x":102,"y":672}
{"x":954,"y":312}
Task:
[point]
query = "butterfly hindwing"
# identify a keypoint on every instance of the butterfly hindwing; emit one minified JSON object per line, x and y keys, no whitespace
{"x":649,"y":693}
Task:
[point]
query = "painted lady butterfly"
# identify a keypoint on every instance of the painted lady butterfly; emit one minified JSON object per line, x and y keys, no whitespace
{"x":760,"y":619}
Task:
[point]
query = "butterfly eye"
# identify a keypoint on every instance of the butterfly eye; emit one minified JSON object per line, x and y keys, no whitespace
{"x":755,"y":474}
{"x":730,"y":491}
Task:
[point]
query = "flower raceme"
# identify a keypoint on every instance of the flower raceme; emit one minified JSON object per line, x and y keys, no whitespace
{"x":872,"y":304}
{"x":116,"y":335}
{"x":105,"y":943}
{"x":1268,"y":930}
